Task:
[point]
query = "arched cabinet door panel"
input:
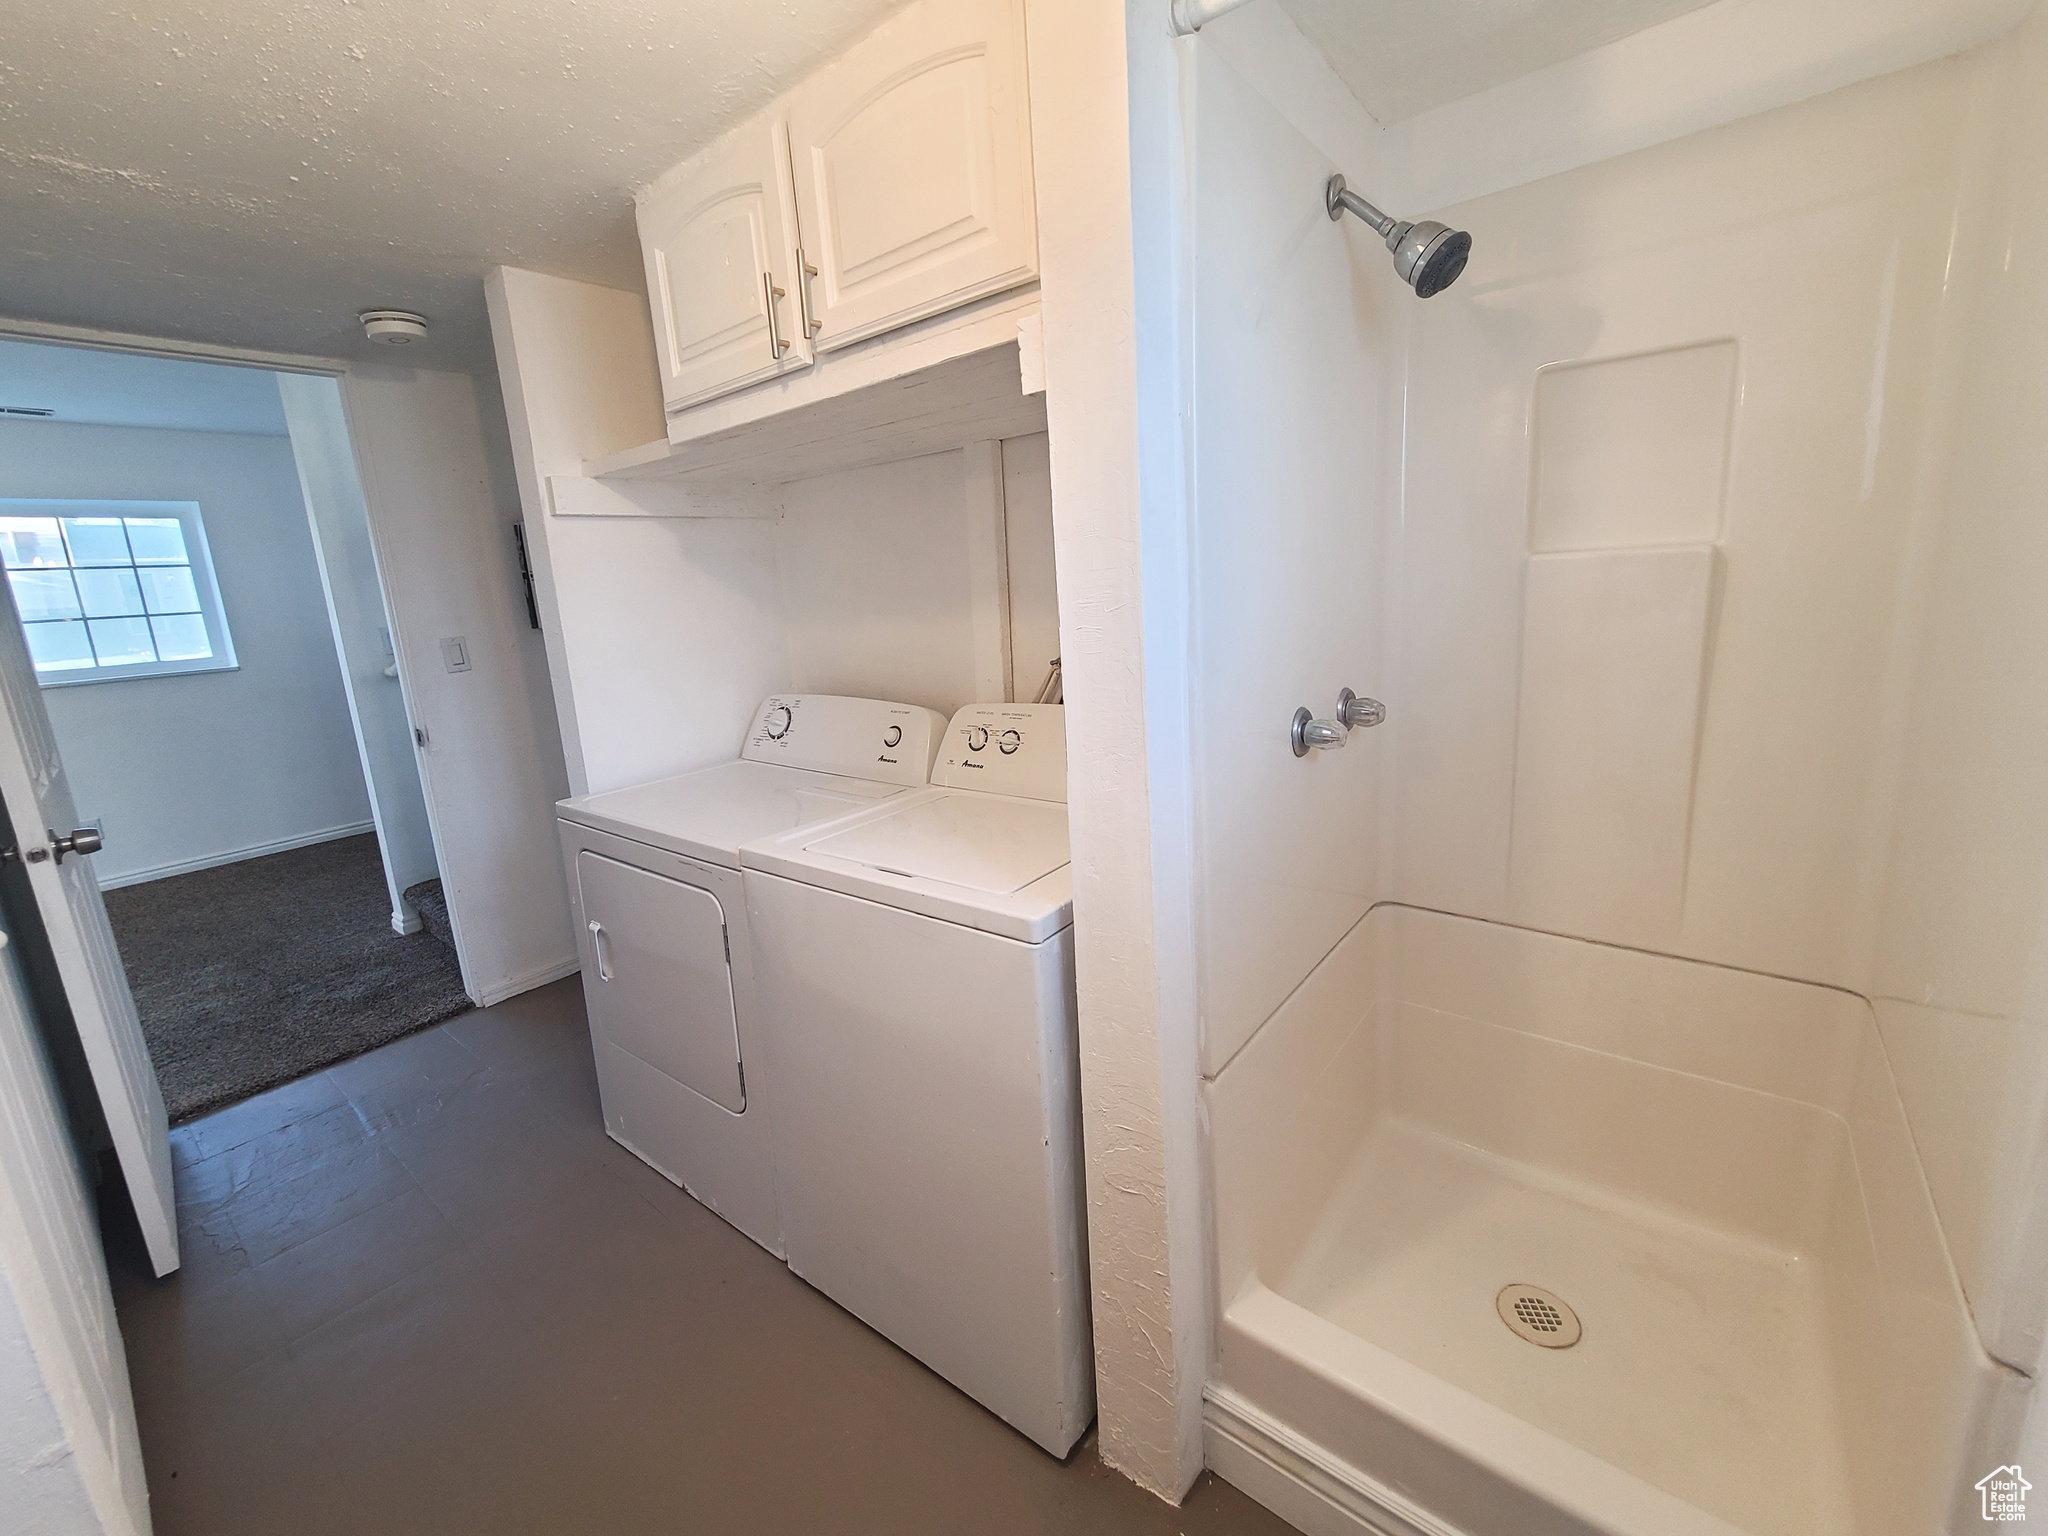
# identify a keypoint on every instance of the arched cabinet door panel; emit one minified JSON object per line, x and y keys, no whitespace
{"x":718,"y":235}
{"x":911,"y":157}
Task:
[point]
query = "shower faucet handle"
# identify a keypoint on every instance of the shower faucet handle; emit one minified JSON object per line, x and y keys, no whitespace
{"x":1307,"y":731}
{"x":1354,"y":711}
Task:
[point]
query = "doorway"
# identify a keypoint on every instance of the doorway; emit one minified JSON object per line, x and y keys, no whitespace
{"x":188,"y":554}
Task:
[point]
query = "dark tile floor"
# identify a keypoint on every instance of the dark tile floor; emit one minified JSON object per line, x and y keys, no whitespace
{"x":424,"y":1292}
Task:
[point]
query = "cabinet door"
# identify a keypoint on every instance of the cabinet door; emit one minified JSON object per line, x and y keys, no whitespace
{"x":912,"y":158}
{"x":664,"y":983}
{"x":719,"y":239}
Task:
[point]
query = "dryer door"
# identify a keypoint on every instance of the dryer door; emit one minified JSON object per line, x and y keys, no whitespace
{"x":664,"y":982}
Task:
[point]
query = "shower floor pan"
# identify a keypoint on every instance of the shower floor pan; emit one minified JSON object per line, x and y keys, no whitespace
{"x":1709,"y":1169}
{"x":1703,"y":1366}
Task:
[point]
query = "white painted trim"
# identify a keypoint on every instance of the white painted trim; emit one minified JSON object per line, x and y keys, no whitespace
{"x":1300,"y":1481}
{"x":236,"y":855}
{"x":405,"y":922}
{"x":526,"y":981}
{"x":160,"y":346}
{"x":988,"y":573}
{"x":581,"y":496}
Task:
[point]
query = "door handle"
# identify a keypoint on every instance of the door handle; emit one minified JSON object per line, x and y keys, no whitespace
{"x":81,"y":840}
{"x":804,"y":273}
{"x":776,"y":345}
{"x":600,"y":943}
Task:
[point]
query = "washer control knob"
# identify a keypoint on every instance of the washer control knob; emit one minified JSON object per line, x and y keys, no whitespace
{"x":977,"y":738}
{"x":892,"y":736}
{"x":778,"y":722}
{"x":1010,"y":742}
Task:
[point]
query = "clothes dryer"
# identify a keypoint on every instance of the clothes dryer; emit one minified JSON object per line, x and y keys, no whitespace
{"x":662,"y":927}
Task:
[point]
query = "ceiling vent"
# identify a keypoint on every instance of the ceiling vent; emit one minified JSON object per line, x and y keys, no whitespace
{"x":393,"y":327}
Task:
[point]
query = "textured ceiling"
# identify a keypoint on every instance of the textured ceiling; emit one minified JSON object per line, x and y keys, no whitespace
{"x":1401,"y":57}
{"x":254,"y":175}
{"x":123,"y":389}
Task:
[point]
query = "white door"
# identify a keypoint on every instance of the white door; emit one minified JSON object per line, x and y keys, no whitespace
{"x":723,"y":275}
{"x":912,"y":159}
{"x":73,"y":1455}
{"x":38,"y":800}
{"x":664,"y":976}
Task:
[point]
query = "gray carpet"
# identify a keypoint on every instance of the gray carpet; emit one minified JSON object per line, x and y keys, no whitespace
{"x":429,"y":901}
{"x":251,"y":974}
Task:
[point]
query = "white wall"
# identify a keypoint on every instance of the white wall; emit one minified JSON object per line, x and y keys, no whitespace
{"x":1105,"y":118}
{"x":662,"y":633}
{"x":441,"y":512}
{"x":1718,"y":793}
{"x":1959,"y":967}
{"x":875,"y":583}
{"x":879,"y":591}
{"x":362,"y":632}
{"x":204,"y":767}
{"x":1033,"y":579}
{"x":1803,"y":419}
{"x":1290,"y":537}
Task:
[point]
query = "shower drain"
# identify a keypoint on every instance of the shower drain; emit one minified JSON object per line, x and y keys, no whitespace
{"x":1538,"y":1315}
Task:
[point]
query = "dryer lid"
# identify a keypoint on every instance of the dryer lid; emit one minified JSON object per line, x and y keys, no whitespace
{"x":992,"y":844}
{"x":708,"y":814}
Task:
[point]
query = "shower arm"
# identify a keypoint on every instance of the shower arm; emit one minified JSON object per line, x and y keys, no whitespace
{"x":1342,"y":197}
{"x":1190,"y":16}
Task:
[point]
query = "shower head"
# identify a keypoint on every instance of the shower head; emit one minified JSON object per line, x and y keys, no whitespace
{"x":1429,"y":256}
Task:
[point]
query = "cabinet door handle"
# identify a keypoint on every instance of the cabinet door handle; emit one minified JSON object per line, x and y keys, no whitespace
{"x":804,"y":273}
{"x":776,"y":345}
{"x":602,"y":949}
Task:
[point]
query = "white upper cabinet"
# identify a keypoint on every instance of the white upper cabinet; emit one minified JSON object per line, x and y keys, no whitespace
{"x":912,"y":162}
{"x":720,"y":242}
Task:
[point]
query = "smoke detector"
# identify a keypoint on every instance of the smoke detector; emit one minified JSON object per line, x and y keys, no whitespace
{"x":393,"y":327}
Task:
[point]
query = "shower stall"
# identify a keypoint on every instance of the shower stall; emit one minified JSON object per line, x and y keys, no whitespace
{"x":1623,"y":1068}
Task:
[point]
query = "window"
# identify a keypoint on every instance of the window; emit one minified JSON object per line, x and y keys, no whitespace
{"x":112,"y":589}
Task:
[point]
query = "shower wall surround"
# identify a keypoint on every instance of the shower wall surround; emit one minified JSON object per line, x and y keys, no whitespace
{"x":1693,"y":542}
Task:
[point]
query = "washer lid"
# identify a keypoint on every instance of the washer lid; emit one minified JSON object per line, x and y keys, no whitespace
{"x":992,"y":844}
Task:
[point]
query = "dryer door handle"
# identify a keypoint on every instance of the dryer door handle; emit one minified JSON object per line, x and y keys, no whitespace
{"x":600,"y":941}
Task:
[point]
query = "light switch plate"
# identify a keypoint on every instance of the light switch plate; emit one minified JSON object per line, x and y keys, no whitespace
{"x":455,"y":653}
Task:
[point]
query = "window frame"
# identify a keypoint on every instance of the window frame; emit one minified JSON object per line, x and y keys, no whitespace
{"x":199,"y":554}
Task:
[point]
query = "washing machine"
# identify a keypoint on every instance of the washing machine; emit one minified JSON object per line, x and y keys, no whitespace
{"x":914,"y":969}
{"x":662,"y":927}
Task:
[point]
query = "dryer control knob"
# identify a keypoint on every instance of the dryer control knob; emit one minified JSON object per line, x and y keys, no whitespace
{"x":977,"y":738}
{"x":778,"y":722}
{"x":892,"y":736}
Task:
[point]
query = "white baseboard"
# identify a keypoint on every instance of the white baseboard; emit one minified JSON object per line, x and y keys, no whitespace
{"x":526,"y":981}
{"x":405,"y":922}
{"x":1310,"y":1487}
{"x":235,"y":855}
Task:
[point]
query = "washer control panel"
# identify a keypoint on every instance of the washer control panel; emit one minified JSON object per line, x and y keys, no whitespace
{"x":862,"y":738}
{"x":1007,"y":749}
